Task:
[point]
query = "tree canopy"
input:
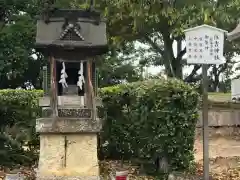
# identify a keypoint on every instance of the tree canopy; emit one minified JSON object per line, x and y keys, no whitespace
{"x":156,"y":23}
{"x":20,"y":64}
{"x":161,"y":23}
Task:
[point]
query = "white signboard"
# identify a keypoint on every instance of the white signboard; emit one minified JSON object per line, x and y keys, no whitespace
{"x":204,"y":45}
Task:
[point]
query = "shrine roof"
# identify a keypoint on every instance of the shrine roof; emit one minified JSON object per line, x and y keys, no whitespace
{"x":84,"y":13}
{"x":71,"y":53}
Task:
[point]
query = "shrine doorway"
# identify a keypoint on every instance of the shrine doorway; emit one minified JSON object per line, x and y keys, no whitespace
{"x":72,"y":69}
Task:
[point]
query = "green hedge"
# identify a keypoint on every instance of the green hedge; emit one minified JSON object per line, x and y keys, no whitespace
{"x":150,"y":119}
{"x":142,"y":120}
{"x":18,"y":140}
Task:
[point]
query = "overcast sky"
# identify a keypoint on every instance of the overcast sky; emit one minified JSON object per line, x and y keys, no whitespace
{"x":156,"y":70}
{"x":186,"y":70}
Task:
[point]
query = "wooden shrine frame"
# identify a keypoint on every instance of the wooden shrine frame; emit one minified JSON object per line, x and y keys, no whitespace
{"x":90,"y":100}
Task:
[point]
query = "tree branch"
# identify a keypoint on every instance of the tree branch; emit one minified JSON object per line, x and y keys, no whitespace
{"x":154,"y":45}
{"x":181,"y":54}
{"x":159,"y":35}
{"x":221,"y":69}
{"x":193,"y":73}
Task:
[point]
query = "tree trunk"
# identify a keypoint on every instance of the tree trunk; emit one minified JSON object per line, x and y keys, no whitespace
{"x":216,"y":78}
{"x":173,"y":66}
{"x":215,"y":84}
{"x":177,"y":63}
{"x":168,"y":56}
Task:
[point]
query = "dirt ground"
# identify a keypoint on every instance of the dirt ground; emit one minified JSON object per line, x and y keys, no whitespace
{"x":224,"y":152}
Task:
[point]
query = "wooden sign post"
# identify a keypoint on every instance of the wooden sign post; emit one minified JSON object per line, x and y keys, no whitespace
{"x":204,"y":45}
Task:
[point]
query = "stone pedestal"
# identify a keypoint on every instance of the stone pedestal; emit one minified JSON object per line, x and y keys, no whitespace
{"x":68,"y":145}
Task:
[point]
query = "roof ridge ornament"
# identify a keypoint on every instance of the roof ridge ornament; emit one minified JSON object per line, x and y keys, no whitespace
{"x":71,"y":24}
{"x":74,"y":27}
{"x":48,"y":9}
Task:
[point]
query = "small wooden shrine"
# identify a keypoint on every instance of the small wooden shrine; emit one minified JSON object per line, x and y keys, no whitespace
{"x":70,"y":39}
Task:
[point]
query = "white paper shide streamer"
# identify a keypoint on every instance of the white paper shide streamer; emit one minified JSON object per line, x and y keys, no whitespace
{"x":63,"y":76}
{"x":80,"y":77}
{"x":80,"y":82}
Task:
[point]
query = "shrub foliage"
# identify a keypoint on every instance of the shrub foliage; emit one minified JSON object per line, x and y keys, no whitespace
{"x":150,"y":119}
{"x":18,"y":140}
{"x":143,"y":120}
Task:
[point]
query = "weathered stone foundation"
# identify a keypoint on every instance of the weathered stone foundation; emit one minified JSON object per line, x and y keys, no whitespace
{"x":68,"y":151}
{"x":68,"y":178}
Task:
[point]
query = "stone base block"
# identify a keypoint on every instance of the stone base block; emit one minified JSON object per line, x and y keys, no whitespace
{"x":67,"y":100}
{"x":69,"y":155}
{"x":52,"y":152}
{"x":68,"y":178}
{"x":68,"y":125}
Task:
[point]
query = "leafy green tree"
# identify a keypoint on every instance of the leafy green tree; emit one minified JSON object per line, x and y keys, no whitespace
{"x":19,"y":63}
{"x":154,"y":23}
{"x":17,"y":36}
{"x":160,"y":23}
{"x":114,"y":69}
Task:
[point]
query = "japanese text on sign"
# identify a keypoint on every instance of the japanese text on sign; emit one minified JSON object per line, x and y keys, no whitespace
{"x":204,"y":45}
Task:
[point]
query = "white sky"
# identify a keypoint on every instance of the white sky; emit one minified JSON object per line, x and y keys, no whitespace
{"x":155,"y":70}
{"x":186,"y":70}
